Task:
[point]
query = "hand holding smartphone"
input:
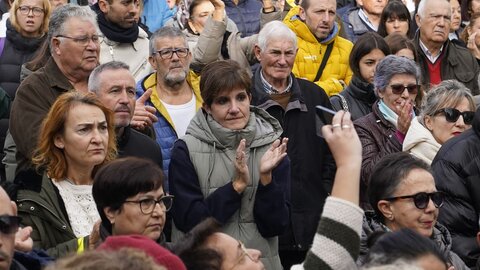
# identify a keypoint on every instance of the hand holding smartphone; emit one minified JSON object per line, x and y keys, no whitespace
{"x":324,"y":117}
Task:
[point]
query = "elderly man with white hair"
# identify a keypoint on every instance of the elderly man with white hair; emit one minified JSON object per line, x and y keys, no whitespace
{"x":292,"y":101}
{"x":440,"y":59}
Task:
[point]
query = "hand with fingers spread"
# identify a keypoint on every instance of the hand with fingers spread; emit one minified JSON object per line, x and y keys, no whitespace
{"x":405,"y":118}
{"x":23,"y":241}
{"x":271,"y":159}
{"x":143,"y":116}
{"x":242,"y":178}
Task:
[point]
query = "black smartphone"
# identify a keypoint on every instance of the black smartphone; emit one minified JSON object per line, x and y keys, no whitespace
{"x":324,"y":117}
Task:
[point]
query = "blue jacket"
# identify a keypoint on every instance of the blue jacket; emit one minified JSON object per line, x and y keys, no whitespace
{"x":246,"y":15}
{"x":156,"y":13}
{"x":164,"y":130}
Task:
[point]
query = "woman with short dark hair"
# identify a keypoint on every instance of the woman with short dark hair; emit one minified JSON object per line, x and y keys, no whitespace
{"x":395,"y":18}
{"x":127,"y":192}
{"x":402,"y":194}
{"x":231,"y":165}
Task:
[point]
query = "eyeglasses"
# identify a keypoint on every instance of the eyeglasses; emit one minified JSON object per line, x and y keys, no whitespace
{"x":244,"y":254}
{"x":148,"y":205}
{"x":9,"y":224}
{"x":36,"y":11}
{"x":452,"y":115}
{"x":168,"y":53}
{"x":398,"y":89}
{"x":84,"y":40}
{"x":422,"y":199}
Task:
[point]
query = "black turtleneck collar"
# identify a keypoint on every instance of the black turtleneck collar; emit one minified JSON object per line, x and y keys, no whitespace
{"x":362,"y":90}
{"x":113,"y":31}
{"x":20,"y":42}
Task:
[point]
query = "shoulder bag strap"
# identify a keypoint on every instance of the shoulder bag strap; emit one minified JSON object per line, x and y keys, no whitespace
{"x":328,"y":51}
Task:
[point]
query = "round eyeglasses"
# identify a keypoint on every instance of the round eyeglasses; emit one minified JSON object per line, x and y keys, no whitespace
{"x":36,"y":11}
{"x":147,"y":206}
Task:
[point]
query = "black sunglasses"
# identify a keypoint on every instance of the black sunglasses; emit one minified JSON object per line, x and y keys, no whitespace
{"x":398,"y":89}
{"x":452,"y":115}
{"x":9,"y":224}
{"x":422,"y":199}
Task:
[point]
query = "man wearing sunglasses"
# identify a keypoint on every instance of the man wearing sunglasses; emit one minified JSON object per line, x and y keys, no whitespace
{"x":456,"y":169}
{"x":439,"y":58}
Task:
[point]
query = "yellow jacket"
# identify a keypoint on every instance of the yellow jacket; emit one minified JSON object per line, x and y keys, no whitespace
{"x":310,"y":55}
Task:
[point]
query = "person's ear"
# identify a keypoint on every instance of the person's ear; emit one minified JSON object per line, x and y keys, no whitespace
{"x":110,"y":214}
{"x":58,"y":141}
{"x":386,"y":208}
{"x":380,"y":94}
{"x":257,"y":52}
{"x":428,"y":121}
{"x":301,"y":13}
{"x":152,"y":61}
{"x":56,"y":46}
{"x":418,"y":20}
{"x":14,"y":207}
{"x":206,"y":108}
{"x":103,"y":5}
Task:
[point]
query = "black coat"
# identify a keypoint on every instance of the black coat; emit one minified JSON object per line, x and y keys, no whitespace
{"x":312,"y":165}
{"x":359,"y":96}
{"x":133,"y":143}
{"x":456,"y":169}
{"x":17,"y":50}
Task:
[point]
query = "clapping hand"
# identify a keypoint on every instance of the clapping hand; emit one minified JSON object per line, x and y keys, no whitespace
{"x":271,"y":159}
{"x":242,"y":178}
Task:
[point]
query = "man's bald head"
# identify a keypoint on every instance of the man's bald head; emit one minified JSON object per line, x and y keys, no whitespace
{"x":7,"y":240}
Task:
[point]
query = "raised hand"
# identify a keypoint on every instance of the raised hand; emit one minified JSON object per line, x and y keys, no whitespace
{"x":271,"y":159}
{"x":472,"y":45}
{"x":143,"y":116}
{"x":405,"y":118}
{"x":242,"y":178}
{"x":23,"y":241}
{"x":343,"y":140}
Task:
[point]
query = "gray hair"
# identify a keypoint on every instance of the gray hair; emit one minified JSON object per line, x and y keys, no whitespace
{"x":166,"y":31}
{"x":62,"y":14}
{"x":275,"y":30}
{"x":94,"y":79}
{"x":448,"y":93}
{"x":423,"y":3}
{"x":390,"y":66}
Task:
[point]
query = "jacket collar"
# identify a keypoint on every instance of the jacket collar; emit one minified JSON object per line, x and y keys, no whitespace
{"x":56,"y":77}
{"x":263,"y":100}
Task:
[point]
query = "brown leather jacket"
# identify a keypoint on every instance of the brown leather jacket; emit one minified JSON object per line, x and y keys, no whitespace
{"x":378,"y":140}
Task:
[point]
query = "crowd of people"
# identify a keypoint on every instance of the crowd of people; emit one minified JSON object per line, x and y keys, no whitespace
{"x":239,"y":134}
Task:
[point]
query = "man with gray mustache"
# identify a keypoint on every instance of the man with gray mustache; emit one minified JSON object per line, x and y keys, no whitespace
{"x":174,"y":89}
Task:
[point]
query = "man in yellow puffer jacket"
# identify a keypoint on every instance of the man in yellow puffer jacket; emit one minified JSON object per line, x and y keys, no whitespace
{"x":314,"y":24}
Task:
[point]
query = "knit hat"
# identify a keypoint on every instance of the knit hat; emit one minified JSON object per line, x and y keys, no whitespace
{"x":160,"y":254}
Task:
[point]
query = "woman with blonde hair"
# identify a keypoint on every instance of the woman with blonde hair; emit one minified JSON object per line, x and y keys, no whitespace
{"x":77,"y":136}
{"x":447,"y":110}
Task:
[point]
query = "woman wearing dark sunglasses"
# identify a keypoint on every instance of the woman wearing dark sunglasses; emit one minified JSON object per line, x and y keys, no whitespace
{"x":382,"y":131}
{"x":447,"y":110}
{"x":403,"y":195}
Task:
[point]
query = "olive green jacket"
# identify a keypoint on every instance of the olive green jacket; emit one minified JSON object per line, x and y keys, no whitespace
{"x":42,"y":208}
